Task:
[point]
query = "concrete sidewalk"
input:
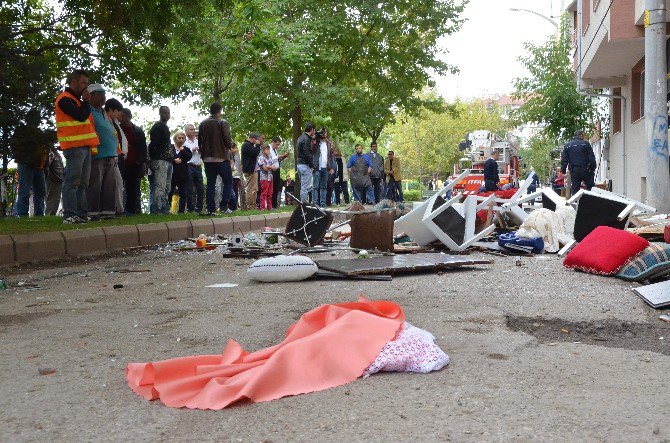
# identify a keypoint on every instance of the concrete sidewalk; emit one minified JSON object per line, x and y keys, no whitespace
{"x":45,"y":246}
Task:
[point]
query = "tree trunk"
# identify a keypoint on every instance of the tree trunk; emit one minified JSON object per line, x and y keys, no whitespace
{"x":217,"y":89}
{"x":296,"y":122}
{"x":4,"y":147}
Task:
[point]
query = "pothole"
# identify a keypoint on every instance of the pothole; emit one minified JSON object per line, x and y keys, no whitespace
{"x":606,"y":333}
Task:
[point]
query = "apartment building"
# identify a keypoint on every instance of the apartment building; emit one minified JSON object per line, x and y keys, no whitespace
{"x":613,"y":59}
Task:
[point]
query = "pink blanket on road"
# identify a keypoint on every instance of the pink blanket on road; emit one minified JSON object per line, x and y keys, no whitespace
{"x":328,"y":346}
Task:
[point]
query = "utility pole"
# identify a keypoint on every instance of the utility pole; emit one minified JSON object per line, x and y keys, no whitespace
{"x":655,"y":105}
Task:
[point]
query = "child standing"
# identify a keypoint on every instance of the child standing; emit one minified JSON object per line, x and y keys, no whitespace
{"x":266,"y":165}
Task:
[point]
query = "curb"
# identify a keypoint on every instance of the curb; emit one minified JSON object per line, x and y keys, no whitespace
{"x":46,"y":246}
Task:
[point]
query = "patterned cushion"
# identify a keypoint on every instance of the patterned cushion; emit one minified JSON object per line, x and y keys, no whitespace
{"x":653,"y":260}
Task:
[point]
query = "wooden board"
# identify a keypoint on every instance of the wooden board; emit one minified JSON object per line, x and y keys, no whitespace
{"x":397,"y":264}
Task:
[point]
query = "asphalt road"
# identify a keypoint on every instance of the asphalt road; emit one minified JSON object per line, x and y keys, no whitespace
{"x":537,"y":353}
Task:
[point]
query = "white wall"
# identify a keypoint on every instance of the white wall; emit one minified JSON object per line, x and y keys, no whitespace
{"x":635,"y":153}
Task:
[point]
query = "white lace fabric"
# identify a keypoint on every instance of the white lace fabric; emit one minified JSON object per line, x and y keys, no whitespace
{"x":413,"y":350}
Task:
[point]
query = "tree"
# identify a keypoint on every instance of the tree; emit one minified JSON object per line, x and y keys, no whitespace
{"x":36,"y":48}
{"x":550,"y":93}
{"x":428,"y":142}
{"x":541,"y":154}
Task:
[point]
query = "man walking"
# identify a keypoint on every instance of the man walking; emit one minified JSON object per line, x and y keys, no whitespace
{"x":360,"y":168}
{"x":305,"y":163}
{"x":77,"y":137}
{"x":377,"y":174}
{"x":250,"y":151}
{"x":161,"y":155}
{"x":136,"y":161}
{"x":579,"y":157}
{"x":214,"y":143}
{"x":394,"y":174}
{"x":491,"y":173}
{"x":195,"y":183}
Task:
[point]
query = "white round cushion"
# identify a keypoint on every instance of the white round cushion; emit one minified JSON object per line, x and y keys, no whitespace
{"x":282,"y":268}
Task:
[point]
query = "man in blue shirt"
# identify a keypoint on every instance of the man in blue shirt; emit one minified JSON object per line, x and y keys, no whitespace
{"x":360,"y":167}
{"x":101,"y":194}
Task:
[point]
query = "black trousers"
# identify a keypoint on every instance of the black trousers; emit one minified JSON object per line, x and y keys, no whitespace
{"x":490,"y":185}
{"x":579,"y":175}
{"x":276,"y":188}
{"x":181,"y":186}
{"x":378,"y":188}
{"x":132,"y":175}
{"x":341,"y":188}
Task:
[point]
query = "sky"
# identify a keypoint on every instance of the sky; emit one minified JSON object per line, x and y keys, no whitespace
{"x":487,"y":47}
{"x":485,"y":50}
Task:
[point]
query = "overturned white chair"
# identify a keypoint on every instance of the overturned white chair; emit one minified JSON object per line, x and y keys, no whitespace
{"x":601,"y":208}
{"x":453,"y":222}
{"x":511,"y":207}
{"x":412,"y":222}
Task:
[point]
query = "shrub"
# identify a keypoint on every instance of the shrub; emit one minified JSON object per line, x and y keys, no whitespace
{"x":412,"y":195}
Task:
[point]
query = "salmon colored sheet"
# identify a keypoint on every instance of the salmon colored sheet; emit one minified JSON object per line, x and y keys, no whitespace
{"x":328,"y":346}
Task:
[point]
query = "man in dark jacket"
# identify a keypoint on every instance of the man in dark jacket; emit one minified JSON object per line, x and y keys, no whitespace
{"x":251,"y":148}
{"x":214,"y":143}
{"x":29,"y":146}
{"x":161,"y":154}
{"x":323,"y":167}
{"x":136,"y":162}
{"x":377,"y":175}
{"x":305,"y":163}
{"x":491,"y":173}
{"x":578,"y":155}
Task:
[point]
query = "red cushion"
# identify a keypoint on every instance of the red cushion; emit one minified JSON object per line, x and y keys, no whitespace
{"x":604,"y":251}
{"x":506,"y":194}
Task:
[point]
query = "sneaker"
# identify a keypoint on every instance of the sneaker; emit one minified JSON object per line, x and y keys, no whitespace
{"x":73,"y":220}
{"x":228,"y":211}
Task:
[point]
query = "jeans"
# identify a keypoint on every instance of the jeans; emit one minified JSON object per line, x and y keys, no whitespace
{"x":305,"y":173}
{"x":162,"y":173}
{"x":341,"y":188}
{"x":75,"y":184}
{"x":366,"y":192}
{"x":320,"y":187}
{"x":194,"y":201}
{"x":394,"y":190}
{"x":212,"y":171}
{"x":30,"y":177}
{"x":234,"y":194}
{"x":102,"y":191}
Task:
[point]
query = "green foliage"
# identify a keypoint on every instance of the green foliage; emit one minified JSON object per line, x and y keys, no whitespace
{"x":541,"y":154}
{"x":550,"y":92}
{"x":413,"y":195}
{"x":429,"y":142}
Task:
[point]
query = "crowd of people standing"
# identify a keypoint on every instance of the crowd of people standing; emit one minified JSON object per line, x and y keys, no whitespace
{"x":107,"y":156}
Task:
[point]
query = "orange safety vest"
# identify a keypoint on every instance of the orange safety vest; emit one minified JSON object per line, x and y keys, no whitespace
{"x":71,"y":132}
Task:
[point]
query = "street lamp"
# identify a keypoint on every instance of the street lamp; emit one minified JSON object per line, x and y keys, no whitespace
{"x":536,"y":13}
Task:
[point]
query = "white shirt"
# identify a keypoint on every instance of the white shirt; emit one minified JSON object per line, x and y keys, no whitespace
{"x":323,"y":159}
{"x":193,"y":146}
{"x":275,"y":157}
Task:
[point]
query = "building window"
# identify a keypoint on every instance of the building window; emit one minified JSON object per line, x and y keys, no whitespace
{"x":616,"y":112}
{"x":637,"y":91}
